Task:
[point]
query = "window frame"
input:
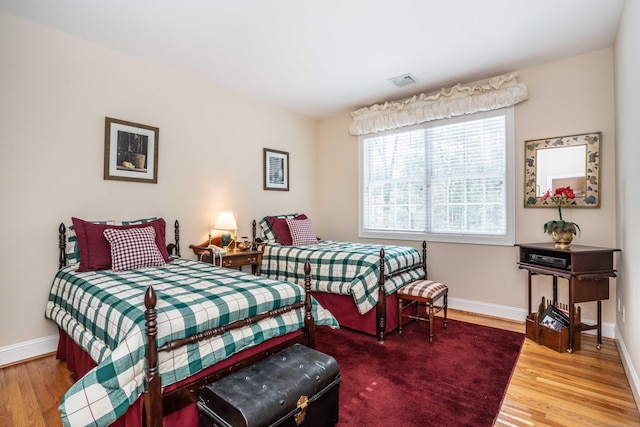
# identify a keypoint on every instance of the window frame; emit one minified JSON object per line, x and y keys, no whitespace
{"x":508,"y":239}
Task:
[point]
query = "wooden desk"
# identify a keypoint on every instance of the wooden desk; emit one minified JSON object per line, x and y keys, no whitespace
{"x":586,"y":268}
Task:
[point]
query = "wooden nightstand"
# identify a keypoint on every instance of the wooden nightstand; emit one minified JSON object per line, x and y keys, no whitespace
{"x":233,"y":258}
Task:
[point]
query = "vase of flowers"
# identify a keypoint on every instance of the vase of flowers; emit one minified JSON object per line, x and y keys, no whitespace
{"x":561,"y":231}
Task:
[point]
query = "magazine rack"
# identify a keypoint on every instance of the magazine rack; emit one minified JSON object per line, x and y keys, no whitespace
{"x":548,"y":337}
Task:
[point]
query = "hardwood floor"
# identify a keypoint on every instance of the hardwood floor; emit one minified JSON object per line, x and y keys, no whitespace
{"x":586,"y":388}
{"x":30,"y":392}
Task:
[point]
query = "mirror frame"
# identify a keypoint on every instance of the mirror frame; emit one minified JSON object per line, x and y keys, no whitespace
{"x":592,"y":194}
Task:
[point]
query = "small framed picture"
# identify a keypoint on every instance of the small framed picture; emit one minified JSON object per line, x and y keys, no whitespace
{"x":130,"y":151}
{"x":276,"y":170}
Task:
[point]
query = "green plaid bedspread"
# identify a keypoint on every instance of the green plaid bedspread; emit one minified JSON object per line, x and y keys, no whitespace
{"x":103,"y":312}
{"x":345,"y":268}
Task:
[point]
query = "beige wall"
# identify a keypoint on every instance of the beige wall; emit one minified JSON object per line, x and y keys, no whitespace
{"x":56,"y":91}
{"x":627,"y":70}
{"x":566,"y":97}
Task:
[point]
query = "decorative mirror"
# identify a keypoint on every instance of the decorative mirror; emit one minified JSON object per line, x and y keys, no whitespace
{"x":563,"y":161}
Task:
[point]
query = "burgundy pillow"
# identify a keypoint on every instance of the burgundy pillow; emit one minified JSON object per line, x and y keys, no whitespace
{"x":95,"y":248}
{"x":281,"y":229}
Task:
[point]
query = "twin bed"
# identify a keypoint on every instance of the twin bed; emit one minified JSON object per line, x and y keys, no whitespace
{"x":356,"y":282}
{"x":144,"y":339}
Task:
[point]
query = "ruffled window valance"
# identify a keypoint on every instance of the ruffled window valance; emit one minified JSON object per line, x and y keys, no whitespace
{"x":497,"y":92}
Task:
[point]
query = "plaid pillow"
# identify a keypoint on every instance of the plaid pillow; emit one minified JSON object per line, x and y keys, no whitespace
{"x":133,"y":248}
{"x":71,"y":248}
{"x":268,"y":235}
{"x":302,"y":232}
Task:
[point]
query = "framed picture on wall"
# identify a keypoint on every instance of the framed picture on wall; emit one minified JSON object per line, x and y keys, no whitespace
{"x":130,"y":151}
{"x":563,"y":161}
{"x":276,"y":170}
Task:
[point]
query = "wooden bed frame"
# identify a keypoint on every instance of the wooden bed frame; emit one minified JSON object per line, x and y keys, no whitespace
{"x":381,"y":306}
{"x":157,"y":404}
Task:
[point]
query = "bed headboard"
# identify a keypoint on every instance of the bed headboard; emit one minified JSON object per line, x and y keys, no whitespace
{"x":172,"y":248}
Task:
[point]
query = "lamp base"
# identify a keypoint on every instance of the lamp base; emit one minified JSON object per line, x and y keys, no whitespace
{"x":225,"y":239}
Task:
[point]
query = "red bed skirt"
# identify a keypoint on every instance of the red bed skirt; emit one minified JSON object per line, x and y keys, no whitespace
{"x":80,"y":363}
{"x":345,"y":311}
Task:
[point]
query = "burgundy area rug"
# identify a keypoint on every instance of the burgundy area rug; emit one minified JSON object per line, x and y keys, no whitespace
{"x":459,"y":380}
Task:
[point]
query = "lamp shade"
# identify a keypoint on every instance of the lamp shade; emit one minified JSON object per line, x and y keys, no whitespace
{"x":226,"y":221}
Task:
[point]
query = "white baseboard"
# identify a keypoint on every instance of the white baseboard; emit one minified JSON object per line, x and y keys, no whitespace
{"x":632,"y":374}
{"x":488,"y":309}
{"x":27,"y":349}
{"x":514,"y":313}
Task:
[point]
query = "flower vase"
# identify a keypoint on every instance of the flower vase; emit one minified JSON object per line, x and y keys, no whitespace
{"x":562,"y":238}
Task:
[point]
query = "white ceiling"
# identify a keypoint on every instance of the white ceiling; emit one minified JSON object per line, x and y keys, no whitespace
{"x":320,"y":58}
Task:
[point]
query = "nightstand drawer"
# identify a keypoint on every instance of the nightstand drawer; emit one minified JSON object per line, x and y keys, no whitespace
{"x":232,"y":258}
{"x":240,"y":260}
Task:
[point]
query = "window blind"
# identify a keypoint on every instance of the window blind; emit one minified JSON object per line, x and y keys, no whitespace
{"x":395,"y":182}
{"x":467,"y":174}
{"x":444,"y":178}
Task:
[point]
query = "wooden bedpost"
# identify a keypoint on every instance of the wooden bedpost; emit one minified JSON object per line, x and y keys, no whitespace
{"x":176,"y":226}
{"x":253,"y":230}
{"x":174,"y":248}
{"x":309,"y":323}
{"x":152,"y":382}
{"x":424,"y":258}
{"x":62,"y":244}
{"x":381,"y":307}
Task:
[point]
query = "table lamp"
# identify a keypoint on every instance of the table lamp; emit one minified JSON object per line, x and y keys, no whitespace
{"x":226,"y":221}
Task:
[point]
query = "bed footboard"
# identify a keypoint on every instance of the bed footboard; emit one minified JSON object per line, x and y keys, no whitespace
{"x":156,"y":405}
{"x":381,"y":307}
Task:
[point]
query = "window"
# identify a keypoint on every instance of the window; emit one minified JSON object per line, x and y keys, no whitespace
{"x":447,"y":180}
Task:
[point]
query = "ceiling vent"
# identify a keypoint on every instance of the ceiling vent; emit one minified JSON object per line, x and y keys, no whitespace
{"x":404,"y":80}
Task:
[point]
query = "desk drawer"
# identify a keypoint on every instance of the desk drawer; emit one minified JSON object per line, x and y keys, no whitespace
{"x":590,"y":290}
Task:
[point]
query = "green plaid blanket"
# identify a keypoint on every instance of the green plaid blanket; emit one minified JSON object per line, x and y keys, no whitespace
{"x":345,"y":268}
{"x":103,"y":312}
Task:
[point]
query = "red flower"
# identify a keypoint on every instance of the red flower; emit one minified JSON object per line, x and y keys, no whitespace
{"x":562,"y":196}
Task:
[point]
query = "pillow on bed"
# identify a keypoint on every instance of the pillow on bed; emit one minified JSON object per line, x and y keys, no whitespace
{"x":95,"y":252}
{"x":281,"y":229}
{"x":71,"y":248}
{"x":302,"y":232}
{"x":267,"y":234}
{"x":133,"y":248}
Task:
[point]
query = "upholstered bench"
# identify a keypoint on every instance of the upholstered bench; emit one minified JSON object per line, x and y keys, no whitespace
{"x":423,"y":292}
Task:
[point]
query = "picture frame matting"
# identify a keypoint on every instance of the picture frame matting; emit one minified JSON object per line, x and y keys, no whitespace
{"x":130,"y":151}
{"x":276,"y":170}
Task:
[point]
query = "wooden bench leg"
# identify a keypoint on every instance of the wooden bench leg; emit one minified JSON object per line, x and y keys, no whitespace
{"x":430,"y":311}
{"x":445,"y":302}
{"x":399,"y":315}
